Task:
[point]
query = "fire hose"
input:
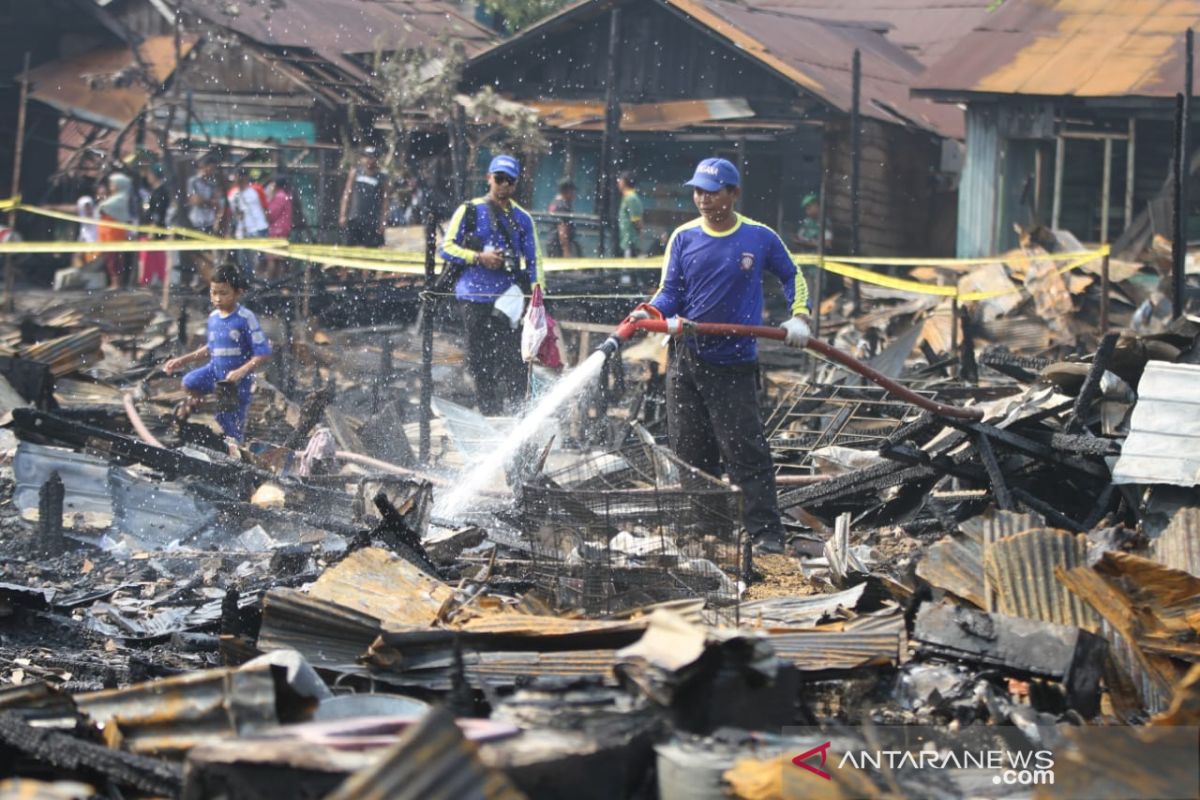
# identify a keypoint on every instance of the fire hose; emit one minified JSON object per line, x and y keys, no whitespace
{"x":676,"y":326}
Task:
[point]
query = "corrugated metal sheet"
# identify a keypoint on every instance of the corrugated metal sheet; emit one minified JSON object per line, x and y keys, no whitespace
{"x":173,"y":714}
{"x":85,"y":86}
{"x":800,"y":611}
{"x":1021,"y":570}
{"x":667,"y":116}
{"x":813,"y":54}
{"x":1178,"y":546}
{"x":817,"y":651}
{"x":1084,"y":48}
{"x":432,"y":760}
{"x":977,"y":195}
{"x":1163,"y":445}
{"x":955,"y":564}
{"x":376,"y":582}
{"x":927,"y":30}
{"x":338,"y":27}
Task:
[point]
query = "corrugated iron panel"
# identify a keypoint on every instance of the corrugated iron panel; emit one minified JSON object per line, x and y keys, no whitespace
{"x":799,"y":611}
{"x":977,"y":195}
{"x":1163,"y":445}
{"x":376,"y":582}
{"x":95,"y":86}
{"x":171,"y":715}
{"x":1178,"y":546}
{"x":955,"y":564}
{"x":1020,"y":570}
{"x":432,"y":760}
{"x":325,"y":633}
{"x":817,"y":651}
{"x":1083,"y":48}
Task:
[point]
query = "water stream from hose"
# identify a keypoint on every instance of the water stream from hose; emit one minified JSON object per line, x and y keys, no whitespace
{"x":465,"y":494}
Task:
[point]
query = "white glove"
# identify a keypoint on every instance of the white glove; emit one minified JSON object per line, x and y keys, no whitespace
{"x":797,"y":332}
{"x":639,"y":313}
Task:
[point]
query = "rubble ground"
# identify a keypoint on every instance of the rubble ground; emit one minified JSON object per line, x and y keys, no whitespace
{"x":295,"y":617}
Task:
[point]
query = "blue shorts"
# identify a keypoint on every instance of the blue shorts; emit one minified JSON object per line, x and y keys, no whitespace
{"x":204,"y":381}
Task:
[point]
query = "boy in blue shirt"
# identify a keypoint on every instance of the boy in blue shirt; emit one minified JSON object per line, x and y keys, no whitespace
{"x":713,"y":272}
{"x":235,"y":346}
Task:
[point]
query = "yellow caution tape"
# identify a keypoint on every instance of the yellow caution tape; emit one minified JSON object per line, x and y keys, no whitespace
{"x":133,"y":246}
{"x":412,"y":263}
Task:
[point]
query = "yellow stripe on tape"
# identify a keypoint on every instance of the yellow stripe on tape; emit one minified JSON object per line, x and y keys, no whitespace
{"x":151,"y":230}
{"x":10,"y":203}
{"x":136,"y":247}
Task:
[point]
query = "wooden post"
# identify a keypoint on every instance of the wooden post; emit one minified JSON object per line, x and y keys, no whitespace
{"x":10,"y":276}
{"x":1182,"y":177}
{"x":1178,"y":217}
{"x":1060,"y":153}
{"x":1130,"y":155}
{"x":1105,"y":189}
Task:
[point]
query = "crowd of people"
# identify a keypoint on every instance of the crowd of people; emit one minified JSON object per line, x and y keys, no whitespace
{"x":241,"y":207}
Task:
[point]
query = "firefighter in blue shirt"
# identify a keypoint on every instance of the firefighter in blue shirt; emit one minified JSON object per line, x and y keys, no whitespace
{"x":713,"y":272}
{"x":492,"y":243}
{"x":235,"y":346}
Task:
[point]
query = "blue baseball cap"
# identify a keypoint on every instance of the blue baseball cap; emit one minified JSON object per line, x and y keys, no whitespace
{"x":713,"y":173}
{"x":507,"y":165}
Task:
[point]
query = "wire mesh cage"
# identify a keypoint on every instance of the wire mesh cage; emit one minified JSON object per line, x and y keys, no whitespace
{"x":635,"y":526}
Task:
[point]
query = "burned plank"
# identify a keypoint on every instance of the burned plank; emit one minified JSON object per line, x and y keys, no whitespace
{"x":1024,"y":647}
{"x":63,"y":751}
{"x":995,"y":475}
{"x":1090,"y":391}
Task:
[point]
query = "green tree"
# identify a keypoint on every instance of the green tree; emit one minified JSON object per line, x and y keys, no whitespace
{"x":517,"y":14}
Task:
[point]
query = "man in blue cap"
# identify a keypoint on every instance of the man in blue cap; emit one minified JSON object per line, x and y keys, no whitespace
{"x":487,"y":239}
{"x":713,"y":272}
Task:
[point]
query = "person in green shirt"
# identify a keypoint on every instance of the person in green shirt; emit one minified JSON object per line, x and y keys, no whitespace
{"x":629,"y":216}
{"x":808,"y":232}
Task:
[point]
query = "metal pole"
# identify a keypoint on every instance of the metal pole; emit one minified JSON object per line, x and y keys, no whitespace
{"x":428,"y":309}
{"x":1105,"y":190}
{"x":1178,"y":245}
{"x":1060,"y":152}
{"x":1104,"y":295}
{"x":10,"y":276}
{"x":1130,"y":156}
{"x":819,"y":278}
{"x":1179,"y":296}
{"x":855,"y":164}
{"x":610,"y":145}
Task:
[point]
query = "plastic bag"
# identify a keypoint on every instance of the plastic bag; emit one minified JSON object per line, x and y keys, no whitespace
{"x":510,"y":304}
{"x":536,"y":328}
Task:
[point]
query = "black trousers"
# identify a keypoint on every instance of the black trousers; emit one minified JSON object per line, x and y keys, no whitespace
{"x":493,"y":359}
{"x":713,"y":420}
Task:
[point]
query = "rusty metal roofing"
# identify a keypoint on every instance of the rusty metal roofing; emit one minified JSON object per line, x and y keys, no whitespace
{"x":337,"y":28}
{"x":1021,"y":571}
{"x":1163,"y":445}
{"x":1081,"y":48}
{"x":668,"y":116}
{"x":432,"y":760}
{"x":928,"y":29}
{"x":814,"y":55}
{"x":100,"y":86}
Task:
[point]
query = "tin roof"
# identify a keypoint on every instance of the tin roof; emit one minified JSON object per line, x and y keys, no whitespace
{"x":926,"y":29}
{"x":337,"y":28}
{"x":813,"y":54}
{"x":1081,"y":48}
{"x":99,"y":86}
{"x":1163,"y":445}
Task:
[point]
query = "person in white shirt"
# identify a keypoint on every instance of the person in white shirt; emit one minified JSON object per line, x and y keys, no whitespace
{"x":248,"y":204}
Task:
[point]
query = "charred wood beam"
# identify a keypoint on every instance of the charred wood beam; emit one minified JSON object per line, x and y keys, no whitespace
{"x":36,"y":426}
{"x":1048,"y":511}
{"x":60,"y":750}
{"x":401,"y":537}
{"x":991,"y":464}
{"x":1103,"y":503}
{"x":1090,"y":390}
{"x":1029,"y":447}
{"x":968,"y":369}
{"x":310,"y":414}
